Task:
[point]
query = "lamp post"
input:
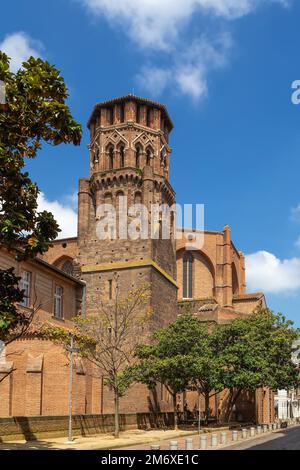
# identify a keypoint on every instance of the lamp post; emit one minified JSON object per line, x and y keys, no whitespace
{"x":71,"y":350}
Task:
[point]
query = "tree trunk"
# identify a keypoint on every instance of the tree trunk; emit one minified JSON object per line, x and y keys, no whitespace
{"x":231,"y":402}
{"x":206,"y":396}
{"x":199,"y":412}
{"x":117,"y":425}
{"x":175,"y":411}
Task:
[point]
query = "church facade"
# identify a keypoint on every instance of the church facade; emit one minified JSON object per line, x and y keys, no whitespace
{"x":129,"y":159}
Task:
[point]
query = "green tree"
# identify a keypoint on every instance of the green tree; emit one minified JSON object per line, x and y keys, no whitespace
{"x":35,"y":112}
{"x":169,"y":360}
{"x":256,"y":351}
{"x":109,"y":338}
{"x":206,"y":371}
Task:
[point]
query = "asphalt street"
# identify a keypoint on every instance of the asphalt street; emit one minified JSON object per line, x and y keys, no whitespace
{"x":285,"y":439}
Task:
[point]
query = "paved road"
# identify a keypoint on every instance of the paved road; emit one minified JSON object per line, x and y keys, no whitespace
{"x":287,"y":439}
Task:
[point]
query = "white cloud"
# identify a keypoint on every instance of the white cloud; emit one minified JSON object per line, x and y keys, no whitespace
{"x":157,"y":23}
{"x":295,"y":213}
{"x":153,"y":79}
{"x":64,"y":213}
{"x":19,"y":47}
{"x":160,"y":25}
{"x":265,"y":272}
{"x":188,"y":74}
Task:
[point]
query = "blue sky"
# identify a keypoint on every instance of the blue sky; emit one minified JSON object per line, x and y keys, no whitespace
{"x":224,"y":68}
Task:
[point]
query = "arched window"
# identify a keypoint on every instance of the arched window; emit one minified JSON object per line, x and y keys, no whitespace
{"x":148,"y":157}
{"x":187,"y":276}
{"x":110,"y":157}
{"x":137,"y":156}
{"x":68,"y":267}
{"x":107,"y":198}
{"x":163,"y":158}
{"x":235,"y":280}
{"x":138,"y":198}
{"x":120,"y":195}
{"x":122,"y":156}
{"x":96,"y":157}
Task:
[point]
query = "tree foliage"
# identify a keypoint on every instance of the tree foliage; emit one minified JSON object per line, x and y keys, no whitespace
{"x":257,"y":352}
{"x":168,"y":360}
{"x":35,"y":112}
{"x":109,"y":338}
{"x":248,"y":353}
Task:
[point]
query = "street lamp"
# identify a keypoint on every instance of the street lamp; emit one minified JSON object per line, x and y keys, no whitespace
{"x":71,"y":350}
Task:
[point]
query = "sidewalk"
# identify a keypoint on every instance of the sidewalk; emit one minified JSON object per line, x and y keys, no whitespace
{"x":135,"y":440}
{"x":100,"y":442}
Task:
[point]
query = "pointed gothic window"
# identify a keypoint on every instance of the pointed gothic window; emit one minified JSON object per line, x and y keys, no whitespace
{"x":138,"y":156}
{"x":148,"y":157}
{"x":187,"y":276}
{"x":96,"y":157}
{"x":122,"y":156}
{"x":110,"y":157}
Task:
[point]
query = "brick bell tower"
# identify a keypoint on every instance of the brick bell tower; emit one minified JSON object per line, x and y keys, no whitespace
{"x":129,"y":156}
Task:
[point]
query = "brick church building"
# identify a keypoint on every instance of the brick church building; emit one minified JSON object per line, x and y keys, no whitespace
{"x":129,"y":156}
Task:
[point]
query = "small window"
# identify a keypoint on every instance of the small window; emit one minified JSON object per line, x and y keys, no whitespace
{"x":68,"y":267}
{"x":138,"y":156}
{"x":110,"y":289}
{"x":188,"y":276}
{"x":122,"y":156}
{"x":111,"y":157}
{"x":58,"y":302}
{"x":148,"y":157}
{"x":96,"y":157}
{"x":138,"y":198}
{"x":25,"y":286}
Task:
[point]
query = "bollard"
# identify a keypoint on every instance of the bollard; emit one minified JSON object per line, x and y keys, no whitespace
{"x":258,"y":429}
{"x":235,"y":435}
{"x":244,"y":433}
{"x":223,"y":437}
{"x":265,"y":428}
{"x":155,"y":447}
{"x":203,"y":442}
{"x":214,"y":440}
{"x":173,"y":445}
{"x":189,"y":443}
{"x":252,"y":432}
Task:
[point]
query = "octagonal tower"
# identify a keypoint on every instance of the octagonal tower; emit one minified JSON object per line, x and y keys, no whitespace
{"x":129,"y":156}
